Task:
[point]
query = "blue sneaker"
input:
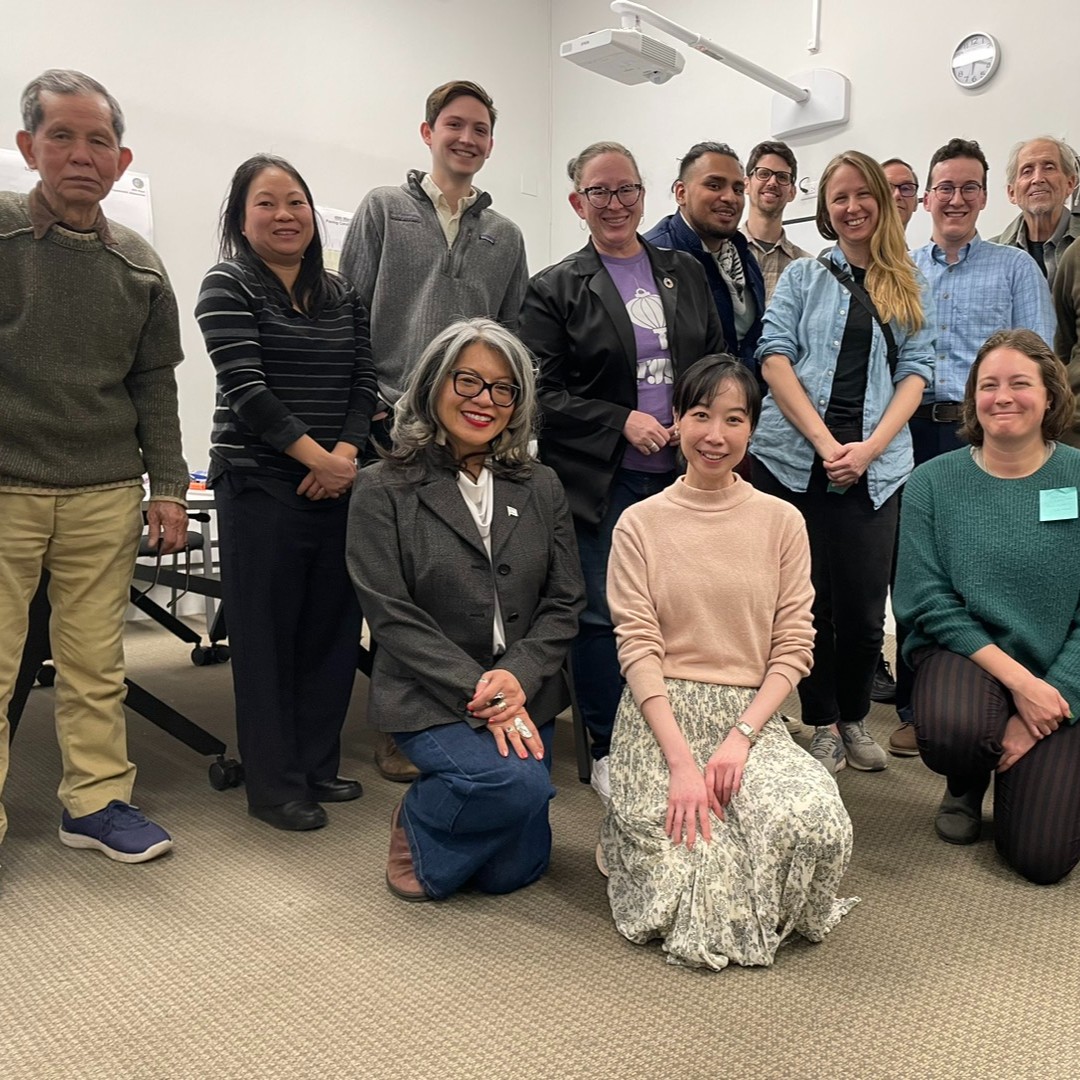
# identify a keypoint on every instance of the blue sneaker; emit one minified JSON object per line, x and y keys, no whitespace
{"x":120,"y":831}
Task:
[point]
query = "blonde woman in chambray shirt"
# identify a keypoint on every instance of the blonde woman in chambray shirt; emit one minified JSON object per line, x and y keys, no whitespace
{"x":833,"y":437}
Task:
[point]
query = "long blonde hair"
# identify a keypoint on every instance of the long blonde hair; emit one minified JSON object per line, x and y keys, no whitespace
{"x":891,"y":278}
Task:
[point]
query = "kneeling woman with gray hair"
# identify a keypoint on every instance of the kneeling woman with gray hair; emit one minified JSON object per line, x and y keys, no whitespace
{"x":462,"y":550}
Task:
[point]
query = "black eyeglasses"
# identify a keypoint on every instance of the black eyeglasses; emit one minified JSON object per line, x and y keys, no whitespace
{"x":600,"y":197}
{"x":946,"y":191}
{"x":784,"y":179}
{"x":908,"y":191}
{"x":468,"y":385}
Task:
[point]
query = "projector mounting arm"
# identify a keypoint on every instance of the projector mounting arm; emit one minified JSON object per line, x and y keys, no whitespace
{"x":633,"y":14}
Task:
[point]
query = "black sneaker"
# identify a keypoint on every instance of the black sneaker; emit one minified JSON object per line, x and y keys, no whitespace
{"x":884,"y":687}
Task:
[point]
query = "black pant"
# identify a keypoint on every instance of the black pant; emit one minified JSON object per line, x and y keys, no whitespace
{"x":929,"y":440}
{"x":960,"y":717}
{"x":294,"y":634}
{"x":851,"y":546}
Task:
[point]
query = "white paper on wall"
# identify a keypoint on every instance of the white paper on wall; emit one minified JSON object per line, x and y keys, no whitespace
{"x":333,"y":224}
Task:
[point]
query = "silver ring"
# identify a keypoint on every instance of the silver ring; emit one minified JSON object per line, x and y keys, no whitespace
{"x":522,"y":728}
{"x":501,"y":707}
{"x":499,"y":697}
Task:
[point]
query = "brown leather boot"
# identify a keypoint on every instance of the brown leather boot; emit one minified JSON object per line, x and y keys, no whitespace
{"x":391,"y":762}
{"x":400,"y":877}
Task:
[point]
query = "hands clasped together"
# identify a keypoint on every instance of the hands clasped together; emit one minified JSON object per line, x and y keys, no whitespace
{"x":845,"y":463}
{"x":1040,"y":710}
{"x":499,"y":699}
{"x":332,"y":476}
{"x":692,"y":793}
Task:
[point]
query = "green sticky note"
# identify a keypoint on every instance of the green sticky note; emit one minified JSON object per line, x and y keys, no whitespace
{"x":1058,"y":504}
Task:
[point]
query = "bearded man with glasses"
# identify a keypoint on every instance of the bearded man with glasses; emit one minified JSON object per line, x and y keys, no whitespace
{"x":771,"y":172}
{"x":978,"y":288}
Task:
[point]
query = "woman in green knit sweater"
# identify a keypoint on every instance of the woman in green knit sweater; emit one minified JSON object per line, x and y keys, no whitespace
{"x":988,"y":577}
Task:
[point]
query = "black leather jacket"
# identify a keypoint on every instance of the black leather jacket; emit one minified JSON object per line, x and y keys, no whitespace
{"x":576,"y":325}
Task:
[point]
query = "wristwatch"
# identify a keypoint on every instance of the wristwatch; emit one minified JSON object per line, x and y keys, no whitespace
{"x":744,"y":728}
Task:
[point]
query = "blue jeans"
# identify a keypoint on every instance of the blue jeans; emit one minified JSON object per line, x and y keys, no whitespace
{"x":474,"y":817}
{"x":597,"y":681}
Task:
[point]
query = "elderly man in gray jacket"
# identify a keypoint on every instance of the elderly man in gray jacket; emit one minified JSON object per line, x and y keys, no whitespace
{"x":1040,"y":178}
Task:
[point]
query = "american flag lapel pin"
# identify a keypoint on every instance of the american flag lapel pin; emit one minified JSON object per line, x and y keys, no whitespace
{"x":511,"y":511}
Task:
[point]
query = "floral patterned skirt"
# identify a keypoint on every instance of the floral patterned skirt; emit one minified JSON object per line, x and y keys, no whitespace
{"x":774,"y":864}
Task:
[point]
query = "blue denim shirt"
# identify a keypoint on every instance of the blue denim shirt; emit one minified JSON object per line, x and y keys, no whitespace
{"x":805,"y":322}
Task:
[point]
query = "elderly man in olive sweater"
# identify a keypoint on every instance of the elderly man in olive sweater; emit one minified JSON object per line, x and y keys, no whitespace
{"x":89,"y":339}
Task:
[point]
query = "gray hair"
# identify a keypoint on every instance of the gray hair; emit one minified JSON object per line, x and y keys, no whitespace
{"x":576,"y":165}
{"x":418,"y":434}
{"x":65,"y":81}
{"x":1066,"y":153}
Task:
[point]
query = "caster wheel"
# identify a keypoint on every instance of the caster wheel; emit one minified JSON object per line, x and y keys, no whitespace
{"x":201,"y":656}
{"x":226,"y":773}
{"x":220,"y":653}
{"x":46,"y":675}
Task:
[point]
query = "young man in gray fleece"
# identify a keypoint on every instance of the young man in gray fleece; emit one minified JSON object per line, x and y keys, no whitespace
{"x":426,"y":253}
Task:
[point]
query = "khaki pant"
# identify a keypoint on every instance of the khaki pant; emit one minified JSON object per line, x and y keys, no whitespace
{"x":88,"y":543}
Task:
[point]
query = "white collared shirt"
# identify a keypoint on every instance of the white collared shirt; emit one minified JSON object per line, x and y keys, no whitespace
{"x":480,"y":499}
{"x":449,"y":218}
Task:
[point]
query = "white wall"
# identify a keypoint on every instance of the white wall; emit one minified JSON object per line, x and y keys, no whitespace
{"x":336,"y":86}
{"x":904,"y":102}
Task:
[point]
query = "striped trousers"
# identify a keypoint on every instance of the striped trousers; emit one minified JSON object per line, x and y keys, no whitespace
{"x":960,"y":713}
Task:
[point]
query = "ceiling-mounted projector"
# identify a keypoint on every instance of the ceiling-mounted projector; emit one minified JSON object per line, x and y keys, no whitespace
{"x":627,"y":56}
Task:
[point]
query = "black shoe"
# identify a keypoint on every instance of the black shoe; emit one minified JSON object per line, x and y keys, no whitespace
{"x":959,"y":817}
{"x":339,"y":789}
{"x":883,"y":689}
{"x":294,"y":816}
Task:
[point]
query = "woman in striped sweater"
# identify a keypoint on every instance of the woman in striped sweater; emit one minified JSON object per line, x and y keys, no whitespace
{"x":296,"y":389}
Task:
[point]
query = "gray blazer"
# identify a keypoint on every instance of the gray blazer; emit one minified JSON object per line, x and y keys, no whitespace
{"x":427,"y":590}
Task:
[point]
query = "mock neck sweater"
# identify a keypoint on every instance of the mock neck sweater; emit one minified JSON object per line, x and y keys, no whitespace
{"x":977,"y":567}
{"x":711,"y":586}
{"x":89,"y":340}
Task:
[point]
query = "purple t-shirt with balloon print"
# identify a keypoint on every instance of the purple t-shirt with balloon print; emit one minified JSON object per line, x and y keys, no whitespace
{"x":634,"y":279}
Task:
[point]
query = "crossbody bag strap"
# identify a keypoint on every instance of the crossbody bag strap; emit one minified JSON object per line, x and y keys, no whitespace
{"x":860,"y":294}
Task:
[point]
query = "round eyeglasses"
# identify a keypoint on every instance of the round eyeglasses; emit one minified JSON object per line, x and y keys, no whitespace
{"x":468,"y":385}
{"x":907,"y":191}
{"x":947,"y":190}
{"x":628,"y":195}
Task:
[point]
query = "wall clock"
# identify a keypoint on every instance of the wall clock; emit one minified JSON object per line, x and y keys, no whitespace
{"x":975,"y":60}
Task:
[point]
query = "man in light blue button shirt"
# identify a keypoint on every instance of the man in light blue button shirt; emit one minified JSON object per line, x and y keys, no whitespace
{"x":978,"y":288}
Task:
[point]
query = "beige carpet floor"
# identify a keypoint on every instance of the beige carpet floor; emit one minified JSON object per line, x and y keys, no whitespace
{"x":250,"y":953}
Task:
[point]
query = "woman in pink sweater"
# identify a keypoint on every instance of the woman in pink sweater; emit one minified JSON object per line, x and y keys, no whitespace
{"x":723,"y":837}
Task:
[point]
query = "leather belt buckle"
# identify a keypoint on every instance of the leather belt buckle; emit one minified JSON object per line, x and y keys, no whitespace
{"x":946,"y":412}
